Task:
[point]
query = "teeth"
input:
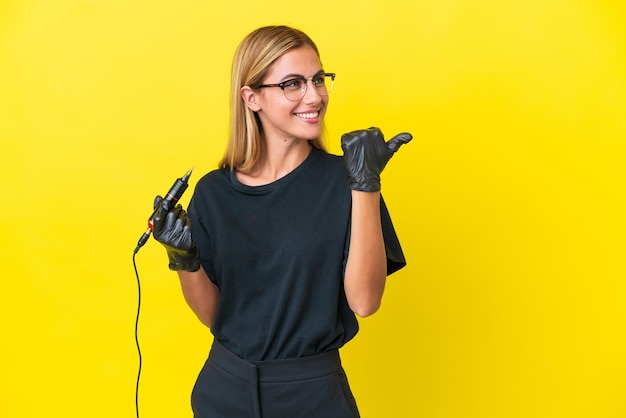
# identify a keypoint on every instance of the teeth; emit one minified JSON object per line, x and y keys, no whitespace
{"x":307,"y":115}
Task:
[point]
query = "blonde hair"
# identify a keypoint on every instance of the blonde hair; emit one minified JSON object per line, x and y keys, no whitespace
{"x":252,"y":61}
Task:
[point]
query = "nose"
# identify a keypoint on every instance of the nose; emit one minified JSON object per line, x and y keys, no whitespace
{"x":311,"y":95}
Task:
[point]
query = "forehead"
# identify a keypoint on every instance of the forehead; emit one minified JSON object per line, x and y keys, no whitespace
{"x":302,"y":61}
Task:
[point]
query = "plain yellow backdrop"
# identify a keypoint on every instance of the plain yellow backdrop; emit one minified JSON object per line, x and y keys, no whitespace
{"x":510,"y":201}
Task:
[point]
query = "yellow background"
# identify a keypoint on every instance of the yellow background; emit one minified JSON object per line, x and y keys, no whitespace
{"x":510,"y":202}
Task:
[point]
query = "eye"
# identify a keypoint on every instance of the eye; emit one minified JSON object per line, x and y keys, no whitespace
{"x":319,"y":80}
{"x":293,"y":84}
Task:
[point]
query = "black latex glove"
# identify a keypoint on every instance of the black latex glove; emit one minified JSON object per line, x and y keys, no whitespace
{"x":172,"y":228}
{"x":366,"y":153}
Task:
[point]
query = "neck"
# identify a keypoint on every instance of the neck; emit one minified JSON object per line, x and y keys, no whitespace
{"x":278,"y":158}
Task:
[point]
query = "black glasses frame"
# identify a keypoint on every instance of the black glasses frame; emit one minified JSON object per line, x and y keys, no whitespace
{"x":305,"y":79}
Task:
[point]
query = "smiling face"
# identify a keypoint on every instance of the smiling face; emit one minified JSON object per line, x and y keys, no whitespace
{"x":282,"y":118}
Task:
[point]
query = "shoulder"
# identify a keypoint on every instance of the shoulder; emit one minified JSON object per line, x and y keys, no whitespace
{"x":327,"y":171}
{"x":212,"y":179}
{"x":209,"y":184}
{"x":327,"y":161}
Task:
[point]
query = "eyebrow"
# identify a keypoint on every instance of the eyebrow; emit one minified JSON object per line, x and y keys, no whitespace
{"x":294,"y":75}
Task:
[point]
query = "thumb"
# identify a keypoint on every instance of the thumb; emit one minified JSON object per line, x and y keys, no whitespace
{"x":157,"y":202}
{"x":394,"y":143}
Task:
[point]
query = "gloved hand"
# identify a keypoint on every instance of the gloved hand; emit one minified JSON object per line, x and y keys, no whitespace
{"x":366,"y":153}
{"x":172,"y":228}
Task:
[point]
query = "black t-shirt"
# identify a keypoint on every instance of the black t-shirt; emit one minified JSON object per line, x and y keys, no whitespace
{"x":277,"y":253}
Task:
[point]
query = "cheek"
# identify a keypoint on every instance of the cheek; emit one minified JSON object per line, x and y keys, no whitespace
{"x":324,"y":105}
{"x":277,"y":114}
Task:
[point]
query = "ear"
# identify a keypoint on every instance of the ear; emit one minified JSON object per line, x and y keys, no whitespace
{"x":250,"y":98}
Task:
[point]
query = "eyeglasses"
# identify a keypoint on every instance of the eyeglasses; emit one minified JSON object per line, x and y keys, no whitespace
{"x":295,"y":88}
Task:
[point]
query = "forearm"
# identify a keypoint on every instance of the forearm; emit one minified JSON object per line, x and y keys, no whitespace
{"x":366,"y":268}
{"x":201,"y":294}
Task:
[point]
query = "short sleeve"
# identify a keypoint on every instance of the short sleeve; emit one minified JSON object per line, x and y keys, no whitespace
{"x":200,"y":236}
{"x":393,"y":249}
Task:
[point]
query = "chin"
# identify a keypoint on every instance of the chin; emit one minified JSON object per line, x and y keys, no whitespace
{"x":310,"y":135}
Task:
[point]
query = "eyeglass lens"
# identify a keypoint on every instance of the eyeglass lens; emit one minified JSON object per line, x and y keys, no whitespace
{"x":296,"y":89}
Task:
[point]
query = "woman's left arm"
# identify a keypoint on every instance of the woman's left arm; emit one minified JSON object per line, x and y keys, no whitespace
{"x":366,"y":268}
{"x":365,"y":154}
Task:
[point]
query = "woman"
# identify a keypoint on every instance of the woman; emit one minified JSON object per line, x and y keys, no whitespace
{"x":284,"y":243}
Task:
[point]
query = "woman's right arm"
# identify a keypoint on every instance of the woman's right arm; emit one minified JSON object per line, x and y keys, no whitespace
{"x":200,"y":293}
{"x":172,"y":228}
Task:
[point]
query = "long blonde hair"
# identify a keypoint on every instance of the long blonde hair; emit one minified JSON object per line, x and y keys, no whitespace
{"x":252,"y":61}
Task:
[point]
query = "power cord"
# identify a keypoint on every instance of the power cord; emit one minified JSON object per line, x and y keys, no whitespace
{"x":172,"y":196}
{"x":137,"y":336}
